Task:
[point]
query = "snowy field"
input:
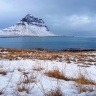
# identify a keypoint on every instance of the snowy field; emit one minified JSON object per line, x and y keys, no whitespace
{"x":35,"y":77}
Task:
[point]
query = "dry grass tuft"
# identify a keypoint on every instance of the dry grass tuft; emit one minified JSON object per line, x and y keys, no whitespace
{"x":83,"y":80}
{"x":56,"y":92}
{"x":27,"y":78}
{"x":38,"y":69}
{"x":3,"y":72}
{"x":22,"y":88}
{"x":82,"y":88}
{"x":24,"y":83}
{"x":57,"y":74}
{"x":67,"y":59}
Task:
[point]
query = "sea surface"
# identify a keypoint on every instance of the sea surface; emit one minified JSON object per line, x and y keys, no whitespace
{"x":49,"y":43}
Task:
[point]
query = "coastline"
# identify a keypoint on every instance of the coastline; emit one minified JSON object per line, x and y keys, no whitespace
{"x":53,"y":50}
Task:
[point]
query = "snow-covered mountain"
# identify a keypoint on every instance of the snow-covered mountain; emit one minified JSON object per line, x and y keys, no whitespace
{"x":28,"y":26}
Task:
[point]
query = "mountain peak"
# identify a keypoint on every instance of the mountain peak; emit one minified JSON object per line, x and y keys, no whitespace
{"x":29,"y":19}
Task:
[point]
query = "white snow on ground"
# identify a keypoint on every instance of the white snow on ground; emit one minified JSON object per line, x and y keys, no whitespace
{"x":43,"y":84}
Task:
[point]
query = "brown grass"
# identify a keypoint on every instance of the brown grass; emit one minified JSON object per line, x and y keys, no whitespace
{"x":13,"y":54}
{"x":80,"y":80}
{"x":82,"y":88}
{"x":56,"y":92}
{"x":3,"y":72}
{"x":38,"y":69}
{"x":57,"y":74}
{"x":83,"y":80}
{"x":24,"y":83}
{"x":22,"y":88}
{"x":27,"y":78}
{"x":68,"y":60}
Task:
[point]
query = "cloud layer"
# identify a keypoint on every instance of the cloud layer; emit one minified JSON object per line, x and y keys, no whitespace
{"x":67,"y":17}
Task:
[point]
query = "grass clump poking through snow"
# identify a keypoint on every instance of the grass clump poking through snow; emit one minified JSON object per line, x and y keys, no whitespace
{"x":84,"y":84}
{"x":25,"y":83}
{"x":83,"y":88}
{"x":57,"y":74}
{"x":29,"y":78}
{"x":38,"y":68}
{"x":83,"y":80}
{"x":22,"y":88}
{"x":56,"y":92}
{"x":3,"y":72}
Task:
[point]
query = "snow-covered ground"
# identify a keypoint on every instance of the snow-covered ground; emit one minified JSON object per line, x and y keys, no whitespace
{"x":27,"y":78}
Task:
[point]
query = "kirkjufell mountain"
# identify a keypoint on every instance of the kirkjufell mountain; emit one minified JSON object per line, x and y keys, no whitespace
{"x":28,"y":26}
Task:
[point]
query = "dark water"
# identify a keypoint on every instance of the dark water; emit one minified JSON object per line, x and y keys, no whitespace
{"x":50,"y":43}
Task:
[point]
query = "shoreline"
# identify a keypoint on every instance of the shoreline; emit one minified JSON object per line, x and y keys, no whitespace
{"x":1,"y":36}
{"x":52,"y":50}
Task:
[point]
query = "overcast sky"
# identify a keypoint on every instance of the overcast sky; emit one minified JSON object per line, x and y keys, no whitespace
{"x":67,"y":17}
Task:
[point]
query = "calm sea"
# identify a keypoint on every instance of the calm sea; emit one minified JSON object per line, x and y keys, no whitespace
{"x":50,"y":43}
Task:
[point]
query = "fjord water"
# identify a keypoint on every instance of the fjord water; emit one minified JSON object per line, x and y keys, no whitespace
{"x":50,"y":43}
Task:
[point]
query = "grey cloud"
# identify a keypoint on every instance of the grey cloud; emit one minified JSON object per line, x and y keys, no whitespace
{"x":68,"y":17}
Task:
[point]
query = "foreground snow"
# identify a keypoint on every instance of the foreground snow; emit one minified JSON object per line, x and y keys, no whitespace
{"x":18,"y":70}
